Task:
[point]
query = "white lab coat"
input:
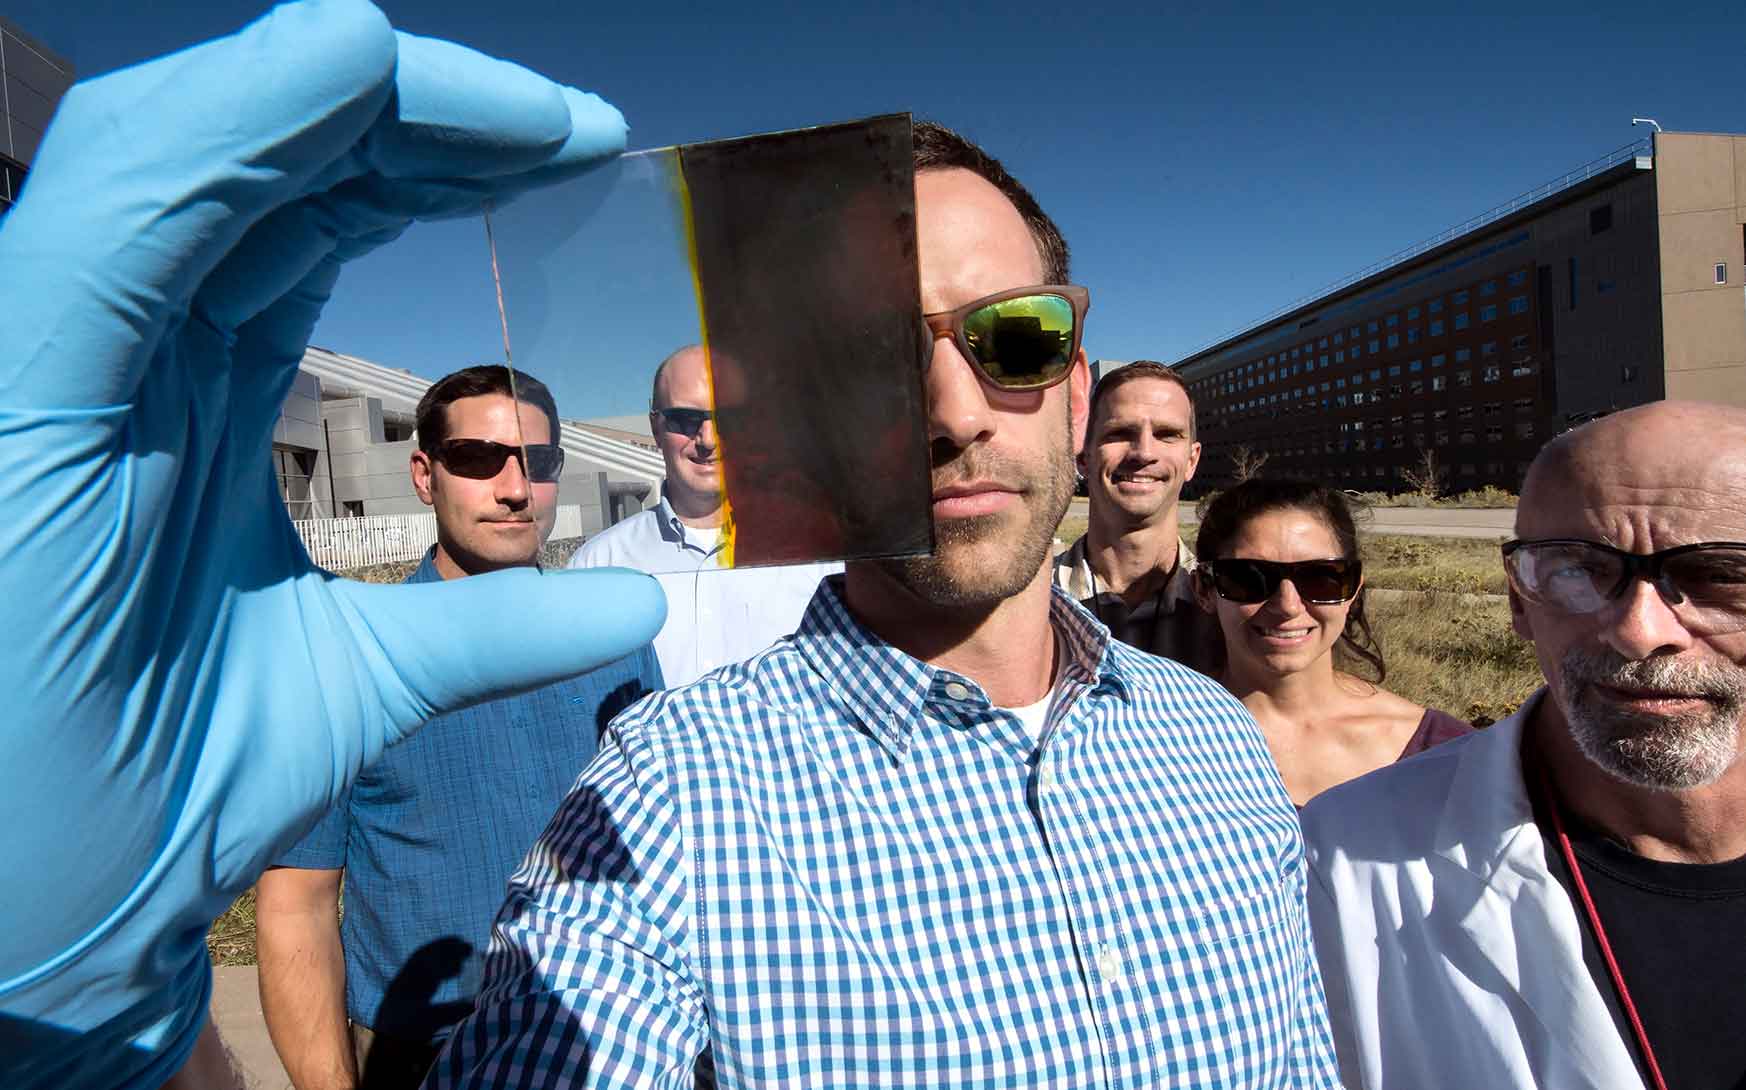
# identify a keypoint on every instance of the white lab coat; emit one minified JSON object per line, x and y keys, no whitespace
{"x":1451,"y":956}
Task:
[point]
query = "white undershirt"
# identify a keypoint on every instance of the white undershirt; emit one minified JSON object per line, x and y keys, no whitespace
{"x":704,"y":537}
{"x":1034,"y":717}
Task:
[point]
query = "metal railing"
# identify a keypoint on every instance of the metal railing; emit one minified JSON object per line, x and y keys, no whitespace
{"x":346,"y":543}
{"x":1491,"y":215}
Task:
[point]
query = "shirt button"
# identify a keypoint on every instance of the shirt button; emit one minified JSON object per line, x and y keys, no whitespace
{"x":1046,"y":778}
{"x":1109,"y":963}
{"x":956,"y":691}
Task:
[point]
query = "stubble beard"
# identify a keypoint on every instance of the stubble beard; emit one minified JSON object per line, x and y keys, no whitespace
{"x":1657,"y":752}
{"x":958,"y":574}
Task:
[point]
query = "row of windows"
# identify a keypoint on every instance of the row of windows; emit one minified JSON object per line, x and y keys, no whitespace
{"x":1521,"y":368}
{"x":1372,"y":337}
{"x":1397,"y":440}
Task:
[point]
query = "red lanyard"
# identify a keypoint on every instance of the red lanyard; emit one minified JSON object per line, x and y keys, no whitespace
{"x":1549,"y":803}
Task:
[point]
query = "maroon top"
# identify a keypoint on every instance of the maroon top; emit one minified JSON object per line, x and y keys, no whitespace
{"x":1434,"y":729}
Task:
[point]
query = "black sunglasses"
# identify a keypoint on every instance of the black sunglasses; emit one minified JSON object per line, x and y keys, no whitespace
{"x":1020,"y":339}
{"x":686,"y":422}
{"x":1247,"y":581}
{"x":482,"y":459}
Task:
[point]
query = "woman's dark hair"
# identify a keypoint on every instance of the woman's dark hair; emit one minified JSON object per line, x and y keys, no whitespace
{"x":1223,"y":517}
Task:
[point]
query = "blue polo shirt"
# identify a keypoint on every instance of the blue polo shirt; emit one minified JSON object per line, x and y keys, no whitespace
{"x":430,"y":834}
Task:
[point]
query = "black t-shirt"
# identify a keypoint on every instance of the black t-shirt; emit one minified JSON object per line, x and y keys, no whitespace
{"x":1678,"y":931}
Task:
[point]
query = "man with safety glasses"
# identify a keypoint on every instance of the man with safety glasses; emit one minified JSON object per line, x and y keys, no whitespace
{"x":1558,"y":900}
{"x":719,"y":617}
{"x":427,"y":836}
{"x":948,"y":833}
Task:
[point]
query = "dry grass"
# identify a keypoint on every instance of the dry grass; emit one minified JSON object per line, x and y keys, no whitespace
{"x":1454,"y":652}
{"x":1445,"y":565}
{"x":231,"y":939}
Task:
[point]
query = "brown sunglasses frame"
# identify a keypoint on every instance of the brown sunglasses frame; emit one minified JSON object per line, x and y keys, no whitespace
{"x":952,"y":321}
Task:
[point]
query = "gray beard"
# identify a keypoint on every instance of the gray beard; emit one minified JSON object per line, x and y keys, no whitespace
{"x":1658,"y":752}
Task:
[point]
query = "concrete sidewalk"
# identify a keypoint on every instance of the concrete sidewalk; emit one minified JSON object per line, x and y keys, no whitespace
{"x":236,"y":1011}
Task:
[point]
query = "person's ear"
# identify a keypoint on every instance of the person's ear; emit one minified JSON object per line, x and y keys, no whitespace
{"x":1193,"y":462}
{"x":1078,"y":402}
{"x":1204,"y":594}
{"x":423,"y":474}
{"x":1519,"y":615}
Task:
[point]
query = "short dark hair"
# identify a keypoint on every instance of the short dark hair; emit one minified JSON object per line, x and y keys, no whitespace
{"x":1223,"y":517}
{"x":1139,"y":369}
{"x":477,"y":381}
{"x":939,"y":148}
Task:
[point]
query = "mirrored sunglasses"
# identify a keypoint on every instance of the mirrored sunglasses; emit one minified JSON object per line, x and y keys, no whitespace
{"x":1021,"y":339}
{"x":1247,"y":581}
{"x":482,"y":459}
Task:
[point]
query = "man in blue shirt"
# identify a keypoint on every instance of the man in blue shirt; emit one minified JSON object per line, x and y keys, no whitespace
{"x":428,"y":835}
{"x":949,"y":833}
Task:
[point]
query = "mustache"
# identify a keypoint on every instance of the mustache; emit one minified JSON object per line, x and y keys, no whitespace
{"x":954,"y":465}
{"x":1717,"y":682}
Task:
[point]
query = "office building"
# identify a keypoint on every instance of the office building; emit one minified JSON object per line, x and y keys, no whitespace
{"x":32,"y":81}
{"x":1619,"y":284}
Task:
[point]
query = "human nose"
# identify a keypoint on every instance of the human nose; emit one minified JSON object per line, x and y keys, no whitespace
{"x":1286,"y":599}
{"x":511,"y":483}
{"x":958,"y":409}
{"x":706,"y":437}
{"x":1641,"y":624}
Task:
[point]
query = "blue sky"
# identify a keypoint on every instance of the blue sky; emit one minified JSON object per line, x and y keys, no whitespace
{"x":1207,"y":163}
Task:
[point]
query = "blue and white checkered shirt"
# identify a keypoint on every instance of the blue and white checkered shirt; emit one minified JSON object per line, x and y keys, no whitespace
{"x":836,"y":865}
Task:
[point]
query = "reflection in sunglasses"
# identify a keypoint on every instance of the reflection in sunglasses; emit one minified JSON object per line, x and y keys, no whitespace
{"x":686,"y":422}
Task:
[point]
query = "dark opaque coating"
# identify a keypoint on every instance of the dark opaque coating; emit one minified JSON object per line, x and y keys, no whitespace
{"x":806,"y":257}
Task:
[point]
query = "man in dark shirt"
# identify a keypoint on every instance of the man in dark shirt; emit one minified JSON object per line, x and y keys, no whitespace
{"x":427,"y":837}
{"x":1558,"y":900}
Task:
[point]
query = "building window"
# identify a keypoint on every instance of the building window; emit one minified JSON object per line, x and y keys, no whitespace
{"x":1393,"y":320}
{"x":1412,"y":314}
{"x":1418,"y":387}
{"x":1358,"y":398}
{"x":1438,"y":360}
{"x":1394,"y":370}
{"x":1494,"y":433}
{"x":1458,"y":298}
{"x":1394,"y":340}
{"x":1464,"y":378}
{"x":1519,"y":342}
{"x":1462,"y":355}
{"x":1340,"y":356}
{"x":1324,"y":359}
{"x":1524,"y":429}
{"x":1491,"y":373}
{"x":1488,"y":312}
{"x":1489,"y":348}
{"x":1439,"y":382}
{"x":1356,"y":351}
{"x":1519,"y":304}
{"x":1435,"y":306}
{"x":1339,"y":338}
{"x":1628,"y":373}
{"x":1413,"y":335}
{"x":1437,"y":328}
{"x":1518,"y":278}
{"x":1461,"y":320}
{"x":1488,"y":288}
{"x":1353,"y":332}
{"x":1600,"y":219}
{"x":1375,"y":346}
{"x":1721,"y":272}
{"x":1376,"y":374}
{"x":1442,"y":439}
{"x":1522,"y":369}
{"x":1570,"y":268}
{"x":1492,"y":408}
{"x":1416,"y":365}
{"x":1372,"y":327}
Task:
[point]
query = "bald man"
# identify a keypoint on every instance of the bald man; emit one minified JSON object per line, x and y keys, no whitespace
{"x":713,"y":618}
{"x":1457,"y":942}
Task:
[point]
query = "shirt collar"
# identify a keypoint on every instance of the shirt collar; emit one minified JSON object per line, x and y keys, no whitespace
{"x":426,"y":572}
{"x":674,"y":530}
{"x":885,"y":691}
{"x":1073,"y":574}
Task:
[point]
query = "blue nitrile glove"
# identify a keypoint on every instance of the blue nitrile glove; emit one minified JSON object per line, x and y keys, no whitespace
{"x":183,"y":693}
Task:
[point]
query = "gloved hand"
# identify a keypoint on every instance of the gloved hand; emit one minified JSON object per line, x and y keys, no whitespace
{"x":184,"y":692}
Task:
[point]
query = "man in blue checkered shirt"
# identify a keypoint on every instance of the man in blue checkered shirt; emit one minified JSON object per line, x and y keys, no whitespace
{"x":948,"y":833}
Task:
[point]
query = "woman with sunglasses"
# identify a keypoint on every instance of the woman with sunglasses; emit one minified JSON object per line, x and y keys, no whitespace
{"x":1278,"y":565}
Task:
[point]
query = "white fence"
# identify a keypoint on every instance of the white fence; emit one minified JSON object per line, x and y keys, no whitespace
{"x":341,"y":544}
